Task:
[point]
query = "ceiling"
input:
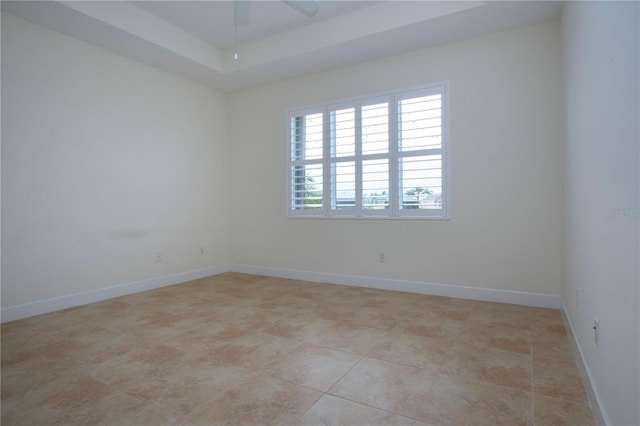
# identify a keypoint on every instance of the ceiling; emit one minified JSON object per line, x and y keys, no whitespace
{"x":198,"y":39}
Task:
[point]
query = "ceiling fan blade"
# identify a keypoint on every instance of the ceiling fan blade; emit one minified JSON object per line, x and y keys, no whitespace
{"x":241,"y":13}
{"x":308,"y":7}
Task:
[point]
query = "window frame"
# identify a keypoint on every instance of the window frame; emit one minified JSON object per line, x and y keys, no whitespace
{"x":393,"y":156}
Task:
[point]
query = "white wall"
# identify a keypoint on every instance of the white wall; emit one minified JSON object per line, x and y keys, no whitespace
{"x":105,"y":161}
{"x":505,"y":231}
{"x":601,"y":91}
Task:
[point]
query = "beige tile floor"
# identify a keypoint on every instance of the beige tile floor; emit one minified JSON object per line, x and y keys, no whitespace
{"x":251,"y":350}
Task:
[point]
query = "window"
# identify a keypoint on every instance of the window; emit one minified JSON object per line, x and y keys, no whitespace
{"x":384,"y":156}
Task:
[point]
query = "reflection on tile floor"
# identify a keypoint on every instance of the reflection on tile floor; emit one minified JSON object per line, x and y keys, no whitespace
{"x":248,"y":350}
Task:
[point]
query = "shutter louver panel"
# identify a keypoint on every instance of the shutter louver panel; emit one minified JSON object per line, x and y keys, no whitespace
{"x":306,"y":171}
{"x":343,"y":191}
{"x":375,"y":184}
{"x":420,"y":123}
{"x":421,"y":182}
{"x":375,"y":129}
{"x":420,"y":168}
{"x":307,"y":187}
{"x":343,"y":133}
{"x":306,"y":137}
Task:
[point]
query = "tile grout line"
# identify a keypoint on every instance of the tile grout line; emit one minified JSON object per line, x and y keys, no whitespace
{"x":330,"y":387}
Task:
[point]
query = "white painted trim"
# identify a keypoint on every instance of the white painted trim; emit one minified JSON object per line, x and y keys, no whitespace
{"x":26,"y":310}
{"x":595,"y":400}
{"x":449,"y":290}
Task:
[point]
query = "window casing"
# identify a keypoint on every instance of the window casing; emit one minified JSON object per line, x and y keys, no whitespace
{"x":379,"y":157}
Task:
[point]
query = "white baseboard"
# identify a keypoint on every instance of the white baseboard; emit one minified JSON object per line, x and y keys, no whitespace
{"x":600,"y":414}
{"x":26,"y":310}
{"x":449,"y":290}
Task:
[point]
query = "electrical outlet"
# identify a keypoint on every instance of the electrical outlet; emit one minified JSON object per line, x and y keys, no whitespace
{"x":381,"y":257}
{"x":596,"y":330}
{"x":158,"y":256}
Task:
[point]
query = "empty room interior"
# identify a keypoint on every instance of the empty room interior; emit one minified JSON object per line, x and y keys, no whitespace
{"x":320,"y":212}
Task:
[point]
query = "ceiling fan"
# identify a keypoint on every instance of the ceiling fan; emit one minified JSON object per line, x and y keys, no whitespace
{"x":241,"y":14}
{"x":241,"y":9}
